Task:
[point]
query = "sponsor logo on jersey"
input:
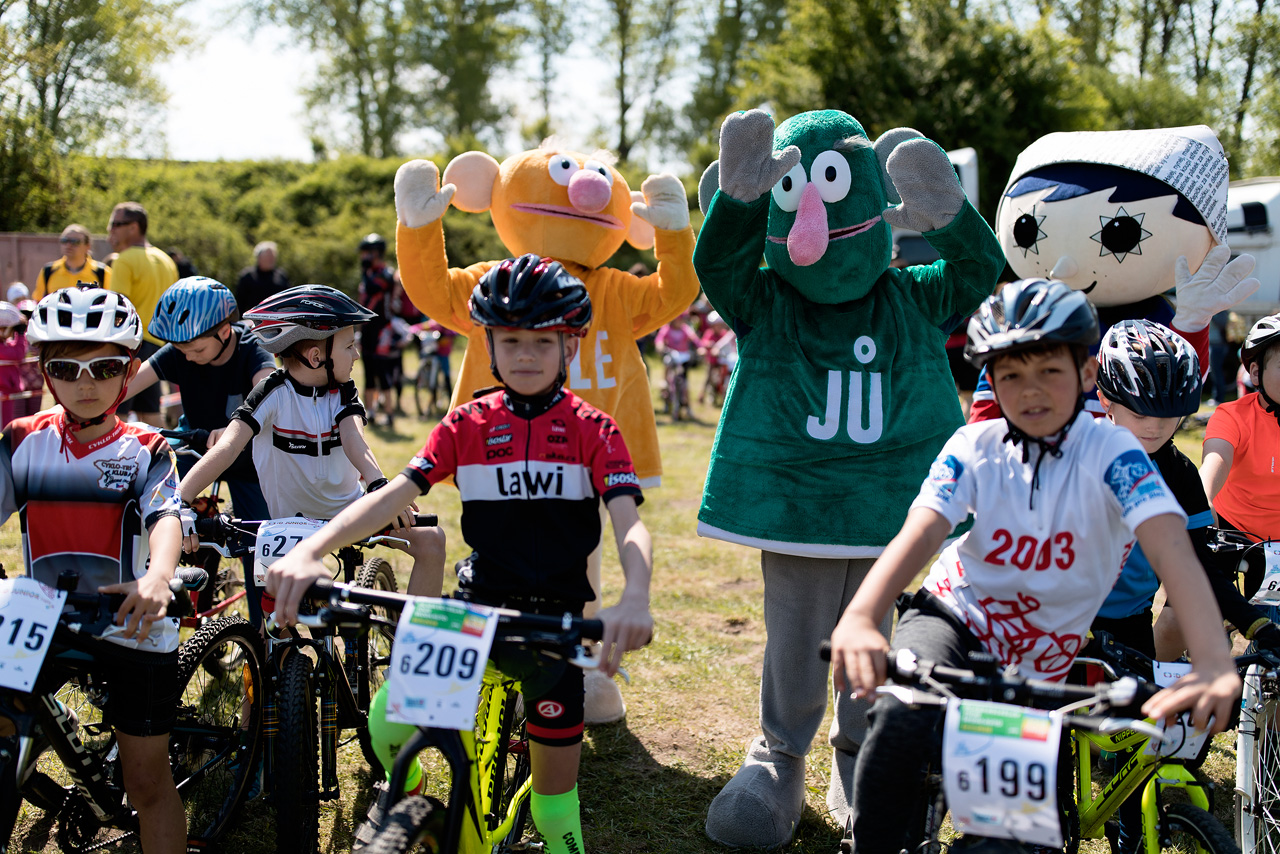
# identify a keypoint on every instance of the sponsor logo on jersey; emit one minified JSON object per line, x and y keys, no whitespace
{"x":557,"y":425}
{"x":422,"y":464}
{"x":495,"y":453}
{"x":117,"y":475}
{"x":556,"y":455}
{"x":498,"y":428}
{"x":621,"y":478}
{"x":550,"y":709}
{"x":498,"y":440}
{"x":618,"y":464}
{"x":558,"y":440}
{"x":943,"y":475}
{"x":1134,"y":480}
{"x":529,"y":482}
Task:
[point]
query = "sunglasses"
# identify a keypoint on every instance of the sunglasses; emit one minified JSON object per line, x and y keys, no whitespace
{"x":104,"y":368}
{"x":121,"y":223}
{"x":71,"y":240}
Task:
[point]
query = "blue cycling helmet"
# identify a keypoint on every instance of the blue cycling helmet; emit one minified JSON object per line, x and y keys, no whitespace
{"x":190,"y":308}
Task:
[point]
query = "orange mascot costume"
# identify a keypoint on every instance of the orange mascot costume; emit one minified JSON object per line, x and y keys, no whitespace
{"x":577,"y":210}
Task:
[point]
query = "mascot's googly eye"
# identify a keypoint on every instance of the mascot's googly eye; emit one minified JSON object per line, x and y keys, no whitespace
{"x":786,"y":193}
{"x":597,"y":166}
{"x":562,"y":168}
{"x":831,"y":175}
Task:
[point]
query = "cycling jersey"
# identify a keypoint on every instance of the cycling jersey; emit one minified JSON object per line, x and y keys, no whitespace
{"x":89,"y":508}
{"x":1251,"y":493}
{"x":1028,"y":581}
{"x":531,"y":473}
{"x":297,"y":448}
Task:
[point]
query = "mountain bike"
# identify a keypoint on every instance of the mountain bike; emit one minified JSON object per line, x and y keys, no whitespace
{"x":675,"y":393}
{"x":490,"y":783}
{"x":57,"y":754}
{"x":341,"y":667}
{"x":431,"y":379}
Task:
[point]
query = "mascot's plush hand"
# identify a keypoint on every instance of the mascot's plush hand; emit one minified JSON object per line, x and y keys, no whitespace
{"x":419,"y":197}
{"x":1216,"y":286}
{"x":665,"y":204}
{"x":923,"y":179}
{"x":748,"y":166}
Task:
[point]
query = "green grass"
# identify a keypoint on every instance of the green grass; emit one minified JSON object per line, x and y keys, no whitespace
{"x":693,"y":701}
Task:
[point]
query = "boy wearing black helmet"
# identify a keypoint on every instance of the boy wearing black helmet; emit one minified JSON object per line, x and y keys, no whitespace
{"x":532,"y":461}
{"x":306,"y":423}
{"x":377,"y":286}
{"x":1057,"y":497}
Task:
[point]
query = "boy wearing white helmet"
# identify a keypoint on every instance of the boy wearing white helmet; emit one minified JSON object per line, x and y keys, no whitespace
{"x":79,"y":468}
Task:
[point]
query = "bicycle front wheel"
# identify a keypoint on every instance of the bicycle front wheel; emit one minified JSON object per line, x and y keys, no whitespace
{"x":216,"y":740}
{"x":414,"y":824}
{"x":297,"y":788}
{"x":1257,"y":800}
{"x":373,"y":652}
{"x":1191,"y":829}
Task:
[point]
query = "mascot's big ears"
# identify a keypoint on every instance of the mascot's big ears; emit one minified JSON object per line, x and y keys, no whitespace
{"x":709,"y":183}
{"x":479,"y":177}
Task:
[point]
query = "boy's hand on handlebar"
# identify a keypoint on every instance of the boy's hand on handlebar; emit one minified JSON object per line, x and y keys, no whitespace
{"x":215,"y":435}
{"x":406,"y":517}
{"x":288,"y":580}
{"x":627,"y":626}
{"x":1205,"y":692}
{"x":187,"y":516}
{"x":858,"y":653}
{"x":146,"y":601}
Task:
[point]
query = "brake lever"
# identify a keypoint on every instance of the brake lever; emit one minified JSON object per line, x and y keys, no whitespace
{"x":383,"y":538}
{"x":587,"y":661}
{"x":1110,"y":726}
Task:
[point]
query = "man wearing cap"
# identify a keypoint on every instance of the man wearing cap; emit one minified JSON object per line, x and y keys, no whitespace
{"x":76,"y":265}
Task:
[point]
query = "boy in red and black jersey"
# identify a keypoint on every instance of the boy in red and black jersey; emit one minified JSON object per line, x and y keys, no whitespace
{"x":532,"y":461}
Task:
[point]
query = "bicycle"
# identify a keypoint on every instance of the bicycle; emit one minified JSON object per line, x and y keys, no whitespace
{"x":431,"y":378}
{"x":342,"y":677}
{"x":488,"y":804}
{"x":59,"y":756}
{"x":1079,"y":814}
{"x":675,"y":393}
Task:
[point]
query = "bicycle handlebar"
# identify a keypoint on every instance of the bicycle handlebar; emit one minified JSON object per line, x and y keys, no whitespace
{"x":196,"y":439}
{"x":235,"y":537}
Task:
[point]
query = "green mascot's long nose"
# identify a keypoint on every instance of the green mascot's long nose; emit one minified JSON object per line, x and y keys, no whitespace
{"x":808,"y":238}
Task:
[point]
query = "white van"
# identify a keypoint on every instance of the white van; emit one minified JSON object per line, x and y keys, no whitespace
{"x":1253,"y":220}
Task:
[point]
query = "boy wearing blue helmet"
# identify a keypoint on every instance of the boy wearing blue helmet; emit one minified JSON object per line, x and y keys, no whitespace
{"x":1057,"y":498}
{"x":215,"y":364}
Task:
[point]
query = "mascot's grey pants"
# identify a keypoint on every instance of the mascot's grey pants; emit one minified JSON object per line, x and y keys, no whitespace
{"x":803,"y":600}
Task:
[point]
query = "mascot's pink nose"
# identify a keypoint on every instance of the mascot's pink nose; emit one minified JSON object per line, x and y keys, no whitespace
{"x":808,"y":238}
{"x":589,"y":191}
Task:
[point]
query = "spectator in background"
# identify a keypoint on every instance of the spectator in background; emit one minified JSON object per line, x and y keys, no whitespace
{"x":186,"y":267}
{"x":1219,"y":347}
{"x":13,"y":349}
{"x":75,"y":265}
{"x":17,"y":293}
{"x":264,"y":279}
{"x":141,"y":272}
{"x":32,"y":375}
{"x":377,"y":287}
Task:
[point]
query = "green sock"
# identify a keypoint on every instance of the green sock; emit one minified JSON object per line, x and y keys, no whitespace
{"x":559,"y":821}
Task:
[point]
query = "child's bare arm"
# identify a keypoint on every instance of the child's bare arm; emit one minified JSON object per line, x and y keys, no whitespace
{"x":1215,"y":466}
{"x":1213,"y":686}
{"x":857,"y":647}
{"x":289,"y":577}
{"x":211,"y":466}
{"x":356,"y":447}
{"x":628,"y":625}
{"x":147,"y":598}
{"x":145,"y":379}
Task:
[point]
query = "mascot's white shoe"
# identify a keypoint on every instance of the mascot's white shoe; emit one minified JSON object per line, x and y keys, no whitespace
{"x":840,"y":790}
{"x":603,"y":703}
{"x":761,"y":805}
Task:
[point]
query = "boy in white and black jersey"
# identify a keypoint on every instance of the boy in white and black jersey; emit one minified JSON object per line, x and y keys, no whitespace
{"x":1057,"y":497}
{"x":306,"y":423}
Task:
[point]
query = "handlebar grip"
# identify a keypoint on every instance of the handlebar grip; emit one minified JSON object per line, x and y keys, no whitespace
{"x":211,"y":530}
{"x":592,"y":629}
{"x":425,"y":520}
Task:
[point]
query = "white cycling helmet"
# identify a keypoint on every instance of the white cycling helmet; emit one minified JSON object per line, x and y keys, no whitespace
{"x":92,"y":315}
{"x":10,"y":316}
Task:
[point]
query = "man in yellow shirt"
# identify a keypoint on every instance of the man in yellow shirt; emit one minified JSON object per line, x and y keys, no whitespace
{"x":76,"y":265}
{"x":142,"y":273}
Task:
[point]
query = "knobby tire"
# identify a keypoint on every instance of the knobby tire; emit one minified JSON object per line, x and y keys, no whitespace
{"x":373,"y":653}
{"x":414,"y":821}
{"x":1208,"y":834}
{"x":297,"y":786}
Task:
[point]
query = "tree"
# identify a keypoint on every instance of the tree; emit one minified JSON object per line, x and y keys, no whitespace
{"x":548,"y":30}
{"x":643,"y":40}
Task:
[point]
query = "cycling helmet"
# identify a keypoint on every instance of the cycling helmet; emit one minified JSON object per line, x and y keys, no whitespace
{"x":1027,"y":314}
{"x":304,"y":313}
{"x":1150,"y":369}
{"x":190,"y":308}
{"x":374,"y":241}
{"x":1263,"y":334}
{"x":10,"y":315}
{"x":92,"y":315}
{"x":530,"y":292}
{"x":26,"y":306}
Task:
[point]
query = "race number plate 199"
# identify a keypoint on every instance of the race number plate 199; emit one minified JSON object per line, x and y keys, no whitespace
{"x":1269,"y":592}
{"x":28,"y":614}
{"x":999,"y":766}
{"x":437,"y":663}
{"x":275,"y":538}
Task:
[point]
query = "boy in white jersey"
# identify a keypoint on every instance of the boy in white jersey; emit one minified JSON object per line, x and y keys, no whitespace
{"x":1057,"y":497}
{"x":306,"y":423}
{"x":98,"y":497}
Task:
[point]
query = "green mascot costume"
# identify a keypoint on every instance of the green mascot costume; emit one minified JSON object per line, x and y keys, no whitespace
{"x":841,"y":399}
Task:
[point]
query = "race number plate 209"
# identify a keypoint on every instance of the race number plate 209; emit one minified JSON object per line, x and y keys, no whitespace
{"x":1269,"y":592}
{"x":28,"y":615}
{"x":437,"y":663}
{"x":275,"y":538}
{"x":999,"y":766}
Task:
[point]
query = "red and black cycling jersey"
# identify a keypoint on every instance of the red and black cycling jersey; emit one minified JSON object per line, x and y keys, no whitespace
{"x":531,"y":475}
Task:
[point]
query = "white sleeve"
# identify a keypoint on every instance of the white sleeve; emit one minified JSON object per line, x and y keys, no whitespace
{"x":949,"y":488}
{"x":1134,"y":483}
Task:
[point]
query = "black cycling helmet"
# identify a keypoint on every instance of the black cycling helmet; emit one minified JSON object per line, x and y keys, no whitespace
{"x":1150,"y":369}
{"x":304,"y":313}
{"x":374,"y":241}
{"x":531,"y":292}
{"x":1030,"y":313}
{"x":1263,"y":334}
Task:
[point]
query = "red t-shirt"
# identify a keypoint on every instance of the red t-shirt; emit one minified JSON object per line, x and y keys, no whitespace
{"x":1250,"y":499}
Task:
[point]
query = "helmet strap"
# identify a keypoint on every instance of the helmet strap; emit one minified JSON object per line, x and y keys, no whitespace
{"x":328,"y":362}
{"x":493,"y":359}
{"x":563,"y":376}
{"x":225,"y":344}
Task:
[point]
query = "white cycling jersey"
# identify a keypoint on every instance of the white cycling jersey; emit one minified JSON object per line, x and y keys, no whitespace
{"x":1029,"y":577}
